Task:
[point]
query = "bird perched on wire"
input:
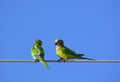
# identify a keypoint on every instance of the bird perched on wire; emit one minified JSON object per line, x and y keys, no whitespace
{"x":64,"y":53}
{"x":38,"y":53}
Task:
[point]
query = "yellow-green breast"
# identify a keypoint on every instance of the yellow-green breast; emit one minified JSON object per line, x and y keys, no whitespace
{"x":63,"y":55}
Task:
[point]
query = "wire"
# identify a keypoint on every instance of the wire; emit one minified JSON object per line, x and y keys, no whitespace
{"x":84,"y":61}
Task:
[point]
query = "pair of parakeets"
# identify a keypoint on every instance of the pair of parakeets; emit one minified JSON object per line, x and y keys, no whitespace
{"x":62,"y":51}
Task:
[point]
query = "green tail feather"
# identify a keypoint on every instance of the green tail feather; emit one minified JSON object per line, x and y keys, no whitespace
{"x":80,"y":57}
{"x":86,"y":58}
{"x":44,"y":64}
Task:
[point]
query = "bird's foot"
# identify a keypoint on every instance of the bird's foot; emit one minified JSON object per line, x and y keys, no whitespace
{"x":61,"y":60}
{"x":36,"y":60}
{"x":64,"y":61}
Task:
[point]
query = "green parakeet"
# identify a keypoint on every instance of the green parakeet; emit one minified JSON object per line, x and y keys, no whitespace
{"x":65,"y":53}
{"x":38,"y":53}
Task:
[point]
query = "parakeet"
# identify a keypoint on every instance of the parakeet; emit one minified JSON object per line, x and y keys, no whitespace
{"x":65,"y":53}
{"x":37,"y":53}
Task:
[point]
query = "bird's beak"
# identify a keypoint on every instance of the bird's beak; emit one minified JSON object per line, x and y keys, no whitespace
{"x":55,"y":43}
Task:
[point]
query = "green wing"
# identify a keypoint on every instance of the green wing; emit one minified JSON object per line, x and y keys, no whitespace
{"x":68,"y":51}
{"x":37,"y":50}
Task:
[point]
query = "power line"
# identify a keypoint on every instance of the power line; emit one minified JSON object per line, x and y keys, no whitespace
{"x":80,"y":61}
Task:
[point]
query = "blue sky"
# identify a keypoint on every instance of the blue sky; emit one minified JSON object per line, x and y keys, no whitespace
{"x":91,"y":27}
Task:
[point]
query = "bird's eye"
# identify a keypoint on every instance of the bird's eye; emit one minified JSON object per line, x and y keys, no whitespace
{"x":58,"y":42}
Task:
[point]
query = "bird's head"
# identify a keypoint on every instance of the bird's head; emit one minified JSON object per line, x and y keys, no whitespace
{"x":59,"y":42}
{"x":37,"y":41}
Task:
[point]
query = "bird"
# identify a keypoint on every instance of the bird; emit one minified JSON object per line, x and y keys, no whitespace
{"x":37,"y":53}
{"x":65,"y":53}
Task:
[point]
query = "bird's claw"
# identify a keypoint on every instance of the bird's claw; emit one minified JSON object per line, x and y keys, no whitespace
{"x":61,"y":60}
{"x":36,"y":60}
